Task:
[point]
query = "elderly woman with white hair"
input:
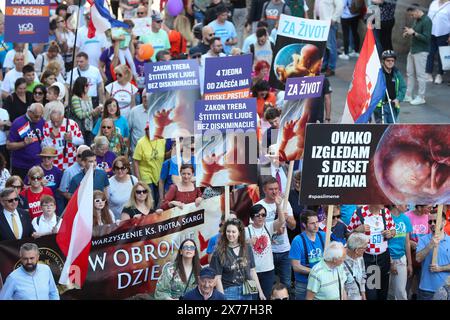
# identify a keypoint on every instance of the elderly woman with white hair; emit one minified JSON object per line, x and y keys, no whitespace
{"x":61,"y":133}
{"x":327,"y":278}
{"x":354,"y":266}
{"x":104,"y":156}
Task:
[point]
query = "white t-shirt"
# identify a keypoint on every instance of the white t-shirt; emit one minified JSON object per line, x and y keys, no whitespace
{"x":440,"y":17}
{"x":92,"y":74}
{"x":123,"y":95}
{"x":280,"y":243}
{"x":46,"y":226}
{"x":92,"y":47}
{"x":10,"y":79}
{"x":119,"y":194}
{"x":4,"y":116}
{"x":4,"y":175}
{"x":9,"y":59}
{"x":262,"y":249}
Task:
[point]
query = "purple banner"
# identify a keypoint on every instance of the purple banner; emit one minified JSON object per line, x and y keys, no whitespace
{"x":171,"y":75}
{"x":27,"y":21}
{"x":303,"y":87}
{"x":225,"y":115}
{"x":228,"y":77}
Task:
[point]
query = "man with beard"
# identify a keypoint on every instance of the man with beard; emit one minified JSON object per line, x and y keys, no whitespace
{"x":32,"y":281}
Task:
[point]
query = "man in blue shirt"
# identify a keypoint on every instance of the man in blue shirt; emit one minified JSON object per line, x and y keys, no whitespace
{"x":306,"y":251}
{"x":433,"y":275}
{"x":101,"y":181}
{"x":224,"y":29}
{"x":206,"y":288}
{"x":32,"y":281}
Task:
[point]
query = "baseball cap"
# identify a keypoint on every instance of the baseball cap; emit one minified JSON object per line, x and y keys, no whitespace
{"x":156,"y":16}
{"x":207,"y":272}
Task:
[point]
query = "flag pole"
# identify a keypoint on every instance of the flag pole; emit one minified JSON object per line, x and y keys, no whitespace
{"x":390,"y":107}
{"x":73,"y":58}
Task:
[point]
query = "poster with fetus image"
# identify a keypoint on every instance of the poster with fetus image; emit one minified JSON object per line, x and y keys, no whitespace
{"x":299,"y":49}
{"x":390,"y":164}
{"x":171,"y":113}
{"x":227,"y":158}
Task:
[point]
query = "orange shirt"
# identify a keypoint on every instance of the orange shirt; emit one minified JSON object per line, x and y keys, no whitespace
{"x":177,"y":43}
{"x":447,"y":223}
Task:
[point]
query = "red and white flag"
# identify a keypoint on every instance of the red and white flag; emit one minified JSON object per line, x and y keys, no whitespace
{"x":74,"y":236}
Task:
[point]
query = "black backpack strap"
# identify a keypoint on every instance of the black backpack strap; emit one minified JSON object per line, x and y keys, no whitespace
{"x":383,"y":215}
{"x":38,"y":219}
{"x":79,"y":73}
{"x":302,"y":236}
{"x":351,"y":272}
{"x":267,"y":230}
{"x":360,"y":215}
{"x":249,"y":232}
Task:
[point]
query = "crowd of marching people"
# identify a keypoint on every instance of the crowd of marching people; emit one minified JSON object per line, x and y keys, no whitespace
{"x":78,"y":101}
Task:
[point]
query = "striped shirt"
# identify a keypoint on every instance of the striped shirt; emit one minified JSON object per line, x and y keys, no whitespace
{"x":377,"y":243}
{"x":324,"y":281}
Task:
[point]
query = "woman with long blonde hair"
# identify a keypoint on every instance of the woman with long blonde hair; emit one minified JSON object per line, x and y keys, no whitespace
{"x":122,"y":89}
{"x":140,"y":204}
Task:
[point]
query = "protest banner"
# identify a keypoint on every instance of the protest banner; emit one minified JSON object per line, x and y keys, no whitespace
{"x":27,"y":21}
{"x":228,"y":77}
{"x":128,"y":259}
{"x":299,"y":49}
{"x":226,"y":142}
{"x":373,"y":164}
{"x":304,"y":87}
{"x":174,"y":88}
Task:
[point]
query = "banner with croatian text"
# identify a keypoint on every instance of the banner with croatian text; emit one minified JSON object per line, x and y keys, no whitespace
{"x":228,"y":77}
{"x":27,"y":21}
{"x":373,"y":164}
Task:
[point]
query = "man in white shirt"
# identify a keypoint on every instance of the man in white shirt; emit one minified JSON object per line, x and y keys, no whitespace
{"x":280,"y":241}
{"x":330,"y":10}
{"x":94,"y":46}
{"x":216,"y":50}
{"x":8,"y":64}
{"x":12,"y":75}
{"x":137,"y":120}
{"x":95,"y":80}
{"x":14,"y":223}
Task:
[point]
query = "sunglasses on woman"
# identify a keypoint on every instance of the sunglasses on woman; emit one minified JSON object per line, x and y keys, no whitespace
{"x":189,"y":248}
{"x":38,"y":93}
{"x":99,"y":200}
{"x":120,"y":168}
{"x":262,"y":215}
{"x":36,"y":178}
{"x":106,"y":127}
{"x":141,"y":191}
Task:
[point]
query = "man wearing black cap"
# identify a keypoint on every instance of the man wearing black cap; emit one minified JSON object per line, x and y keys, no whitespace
{"x":206,"y":288}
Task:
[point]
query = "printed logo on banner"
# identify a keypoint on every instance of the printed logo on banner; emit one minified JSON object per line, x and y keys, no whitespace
{"x":27,"y":20}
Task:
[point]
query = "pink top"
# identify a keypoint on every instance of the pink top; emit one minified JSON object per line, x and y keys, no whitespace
{"x":419,"y":225}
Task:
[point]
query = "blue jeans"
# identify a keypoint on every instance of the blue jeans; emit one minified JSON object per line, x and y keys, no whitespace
{"x":424,"y":295}
{"x":436,"y":42}
{"x":266,"y":280}
{"x":387,"y":114}
{"x":300,"y":290}
{"x":235,"y":293}
{"x":282,"y":265}
{"x":329,"y":61}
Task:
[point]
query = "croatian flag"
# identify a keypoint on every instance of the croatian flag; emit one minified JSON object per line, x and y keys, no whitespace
{"x":75,"y":233}
{"x":368,"y":86}
{"x":101,"y":19}
{"x":23,"y":130}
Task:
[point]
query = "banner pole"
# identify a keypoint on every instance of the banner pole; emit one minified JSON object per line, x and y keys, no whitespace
{"x":178,"y":150}
{"x":329,"y":224}
{"x":227,"y":202}
{"x":288,"y":185}
{"x":437,"y":232}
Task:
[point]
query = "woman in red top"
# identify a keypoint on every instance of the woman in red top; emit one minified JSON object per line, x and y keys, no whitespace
{"x":180,"y":36}
{"x":185,"y":192}
{"x":35,"y":191}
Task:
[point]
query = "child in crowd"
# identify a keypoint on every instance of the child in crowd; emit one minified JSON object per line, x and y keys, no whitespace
{"x":48,"y":222}
{"x":124,"y":35}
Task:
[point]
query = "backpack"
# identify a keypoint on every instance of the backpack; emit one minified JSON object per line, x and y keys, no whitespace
{"x":297,"y":7}
{"x":283,"y":9}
